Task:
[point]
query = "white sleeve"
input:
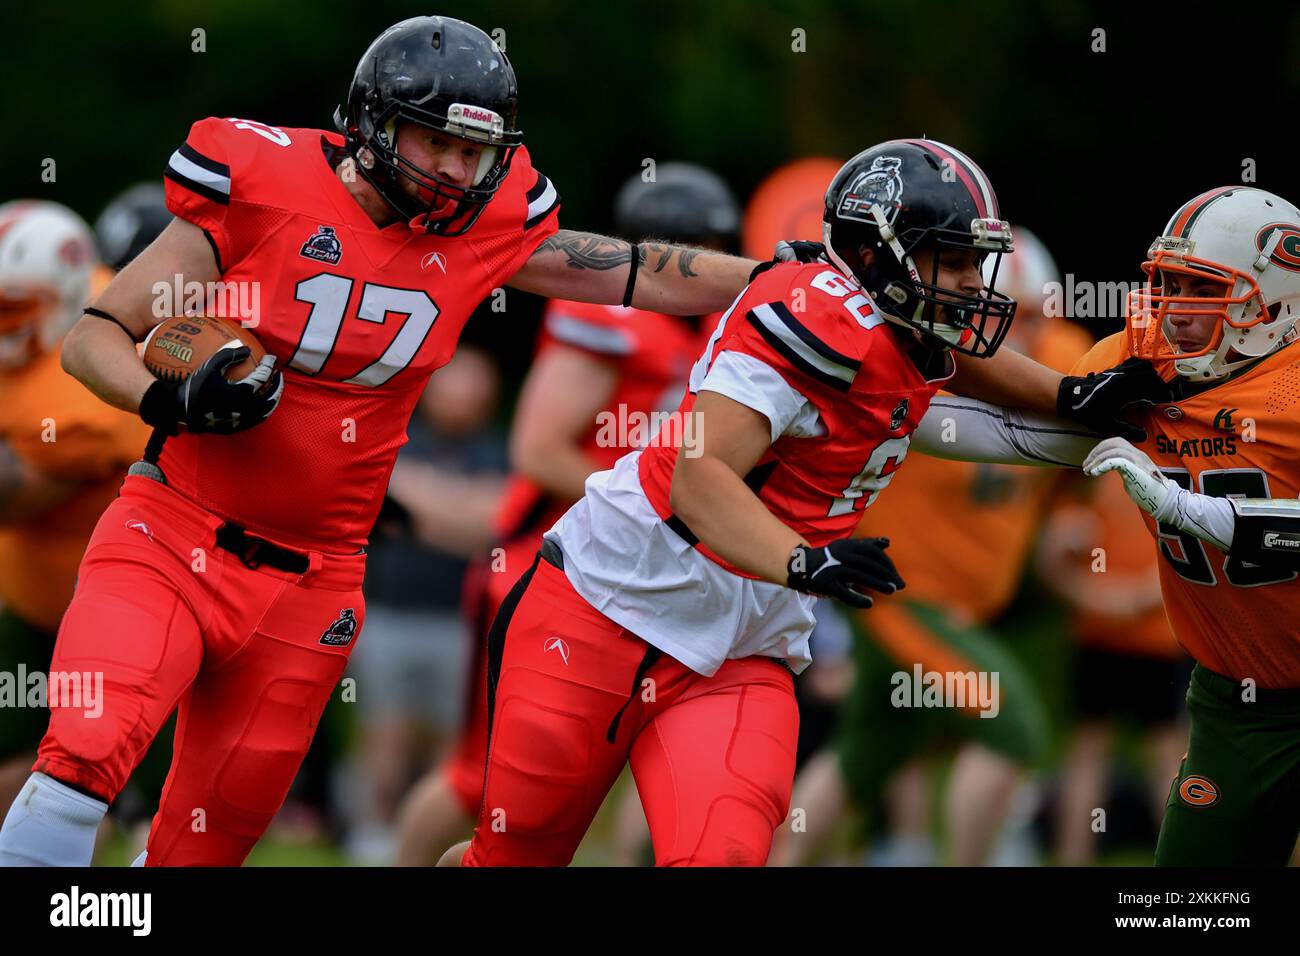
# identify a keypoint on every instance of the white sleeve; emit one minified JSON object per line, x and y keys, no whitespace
{"x":591,"y":336}
{"x":755,"y":384}
{"x":971,"y":430}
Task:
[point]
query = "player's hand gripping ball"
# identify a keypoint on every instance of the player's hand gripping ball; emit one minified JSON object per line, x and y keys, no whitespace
{"x":213,"y":376}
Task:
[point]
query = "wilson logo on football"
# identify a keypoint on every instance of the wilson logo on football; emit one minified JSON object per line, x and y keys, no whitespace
{"x":1286,"y":252}
{"x":1198,"y":791}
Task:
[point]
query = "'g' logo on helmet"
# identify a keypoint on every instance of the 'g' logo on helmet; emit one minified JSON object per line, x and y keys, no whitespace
{"x":1197,"y":791}
{"x":1287,"y":251}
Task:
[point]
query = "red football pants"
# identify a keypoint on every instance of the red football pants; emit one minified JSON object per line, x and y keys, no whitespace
{"x":167,"y":617}
{"x":576,"y":697}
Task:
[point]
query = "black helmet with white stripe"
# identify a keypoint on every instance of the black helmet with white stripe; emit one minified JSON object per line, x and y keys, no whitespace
{"x":906,"y":195}
{"x":447,"y":75}
{"x":683,"y":203}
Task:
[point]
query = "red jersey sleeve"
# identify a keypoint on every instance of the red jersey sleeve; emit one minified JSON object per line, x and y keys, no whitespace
{"x":602,"y":331}
{"x":803,"y":331}
{"x":203,"y":183}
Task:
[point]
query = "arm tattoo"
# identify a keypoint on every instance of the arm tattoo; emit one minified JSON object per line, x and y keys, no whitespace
{"x":585,"y":250}
{"x":684,"y":257}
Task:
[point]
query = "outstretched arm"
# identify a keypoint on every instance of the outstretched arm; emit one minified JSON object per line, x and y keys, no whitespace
{"x":1008,"y":378}
{"x":968,"y":430}
{"x":673,"y":279}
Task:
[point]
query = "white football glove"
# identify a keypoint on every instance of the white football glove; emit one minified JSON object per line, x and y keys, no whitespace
{"x":1210,"y":519}
{"x":1150,"y":490}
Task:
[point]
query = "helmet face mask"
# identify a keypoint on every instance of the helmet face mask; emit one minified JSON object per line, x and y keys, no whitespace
{"x":906,"y":197}
{"x":444,"y":75}
{"x":1242,"y":260}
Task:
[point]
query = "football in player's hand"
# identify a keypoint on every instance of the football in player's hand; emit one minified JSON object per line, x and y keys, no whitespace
{"x":176,"y":347}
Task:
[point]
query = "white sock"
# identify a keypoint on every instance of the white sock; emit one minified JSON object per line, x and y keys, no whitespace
{"x":50,"y":824}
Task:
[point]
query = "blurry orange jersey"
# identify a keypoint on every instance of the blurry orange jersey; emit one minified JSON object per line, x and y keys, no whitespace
{"x":55,"y":425}
{"x":1108,"y":521}
{"x":959,"y":531}
{"x":1237,"y":438}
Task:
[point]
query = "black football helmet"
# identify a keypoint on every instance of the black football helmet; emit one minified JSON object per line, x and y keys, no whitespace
{"x":910,"y":194}
{"x":685,"y":203}
{"x":447,"y":75}
{"x":130,"y":222}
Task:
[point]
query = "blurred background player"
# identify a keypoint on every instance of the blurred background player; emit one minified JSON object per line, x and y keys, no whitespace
{"x":595,"y":364}
{"x":410,"y":671}
{"x":132,"y":220}
{"x":961,"y":536}
{"x":63,"y":452}
{"x":1128,"y":671}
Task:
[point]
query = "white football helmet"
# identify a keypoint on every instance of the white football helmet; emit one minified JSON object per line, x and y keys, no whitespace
{"x":1248,"y":241}
{"x":47,"y":255}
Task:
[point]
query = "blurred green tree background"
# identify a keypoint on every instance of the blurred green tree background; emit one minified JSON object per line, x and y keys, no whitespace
{"x":1093,"y":148}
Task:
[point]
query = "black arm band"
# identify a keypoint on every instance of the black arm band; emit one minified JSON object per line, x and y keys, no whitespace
{"x":1267,"y":532}
{"x":631,"y":275}
{"x":101,"y":314}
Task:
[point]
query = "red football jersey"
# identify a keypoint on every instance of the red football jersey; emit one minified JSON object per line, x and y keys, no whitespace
{"x":652,"y":354}
{"x":825,"y":339}
{"x":358,"y":318}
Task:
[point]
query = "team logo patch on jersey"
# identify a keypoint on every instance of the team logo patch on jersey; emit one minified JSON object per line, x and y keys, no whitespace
{"x":898,"y":415}
{"x":434,"y":259}
{"x":341,"y":632}
{"x":881,"y":185}
{"x":324,"y":246}
{"x":1197,"y":791}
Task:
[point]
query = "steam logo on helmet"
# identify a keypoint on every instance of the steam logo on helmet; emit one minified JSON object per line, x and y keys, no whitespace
{"x":1286,"y":253}
{"x":881,"y":185}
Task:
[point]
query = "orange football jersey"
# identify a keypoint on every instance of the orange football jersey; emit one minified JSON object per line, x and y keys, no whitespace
{"x":56,"y":425}
{"x":1237,"y":438}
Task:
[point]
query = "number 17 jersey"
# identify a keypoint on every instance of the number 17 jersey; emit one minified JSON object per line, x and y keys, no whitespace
{"x":358,"y":317}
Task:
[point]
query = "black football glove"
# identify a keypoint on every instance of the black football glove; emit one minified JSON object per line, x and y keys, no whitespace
{"x":842,"y":568}
{"x":1096,"y":399}
{"x":207,"y":402}
{"x":793,"y":250}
